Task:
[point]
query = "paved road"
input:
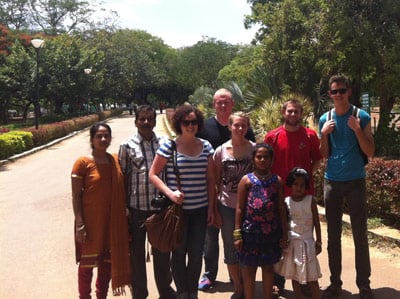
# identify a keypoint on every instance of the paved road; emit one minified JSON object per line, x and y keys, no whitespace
{"x":36,"y":231}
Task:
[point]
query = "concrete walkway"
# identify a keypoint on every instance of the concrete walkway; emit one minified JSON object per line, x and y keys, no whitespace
{"x":36,"y":229}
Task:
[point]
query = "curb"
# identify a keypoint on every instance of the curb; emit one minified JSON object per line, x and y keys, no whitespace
{"x":51,"y":143}
{"x":390,"y":241}
{"x":36,"y":149}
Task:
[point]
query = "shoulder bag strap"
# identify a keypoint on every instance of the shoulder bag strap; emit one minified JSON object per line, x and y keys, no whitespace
{"x":175,"y":163}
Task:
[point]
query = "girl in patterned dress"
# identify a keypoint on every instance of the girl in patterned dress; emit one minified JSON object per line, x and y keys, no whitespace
{"x":299,"y":262}
{"x":259,"y":222}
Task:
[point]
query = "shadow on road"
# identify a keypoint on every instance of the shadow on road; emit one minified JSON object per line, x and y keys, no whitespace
{"x":226,"y":287}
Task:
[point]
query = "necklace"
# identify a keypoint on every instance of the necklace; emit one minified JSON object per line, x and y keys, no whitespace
{"x":262,"y":177}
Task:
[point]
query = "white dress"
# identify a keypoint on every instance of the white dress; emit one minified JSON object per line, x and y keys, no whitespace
{"x":299,"y":262}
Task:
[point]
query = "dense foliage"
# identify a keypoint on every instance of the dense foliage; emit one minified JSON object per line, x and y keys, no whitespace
{"x":304,"y":42}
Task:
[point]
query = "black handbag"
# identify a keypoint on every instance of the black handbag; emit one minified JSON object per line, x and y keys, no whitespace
{"x":164,"y":229}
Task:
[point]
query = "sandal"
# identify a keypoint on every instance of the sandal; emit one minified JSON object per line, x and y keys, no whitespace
{"x":276,"y":291}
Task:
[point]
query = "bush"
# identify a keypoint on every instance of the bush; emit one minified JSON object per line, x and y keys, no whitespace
{"x":103,"y":115}
{"x":14,"y":142}
{"x":383,"y":186}
{"x":49,"y":132}
{"x":268,"y":115}
{"x":392,"y":133}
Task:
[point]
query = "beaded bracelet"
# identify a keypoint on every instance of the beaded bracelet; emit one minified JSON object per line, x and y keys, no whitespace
{"x":237,"y":238}
{"x":237,"y":234}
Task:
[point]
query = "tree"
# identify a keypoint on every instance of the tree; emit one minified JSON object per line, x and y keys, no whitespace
{"x":136,"y":64}
{"x":63,"y":81}
{"x":16,"y":81}
{"x":242,"y":65}
{"x":289,"y":34}
{"x":306,"y":41}
{"x":15,"y":13}
{"x":5,"y":41}
{"x":200,"y":64}
{"x":60,"y":16}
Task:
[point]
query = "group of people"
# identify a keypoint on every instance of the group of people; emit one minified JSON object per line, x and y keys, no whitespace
{"x":259,"y":195}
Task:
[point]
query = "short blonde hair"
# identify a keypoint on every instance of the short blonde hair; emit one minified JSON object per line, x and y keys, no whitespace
{"x":223,"y":93}
{"x":240,"y":114}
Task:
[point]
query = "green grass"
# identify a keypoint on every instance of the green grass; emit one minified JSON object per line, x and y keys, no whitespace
{"x":375,"y":222}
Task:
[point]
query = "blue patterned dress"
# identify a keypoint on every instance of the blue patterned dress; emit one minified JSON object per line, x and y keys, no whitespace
{"x":261,"y":228}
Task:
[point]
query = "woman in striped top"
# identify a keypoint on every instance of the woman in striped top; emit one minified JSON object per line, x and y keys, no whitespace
{"x":196,"y":195}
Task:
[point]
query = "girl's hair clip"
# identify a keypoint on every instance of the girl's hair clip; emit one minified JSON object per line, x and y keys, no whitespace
{"x":301,"y":170}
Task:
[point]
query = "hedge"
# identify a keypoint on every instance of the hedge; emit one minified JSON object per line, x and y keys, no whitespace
{"x":16,"y":142}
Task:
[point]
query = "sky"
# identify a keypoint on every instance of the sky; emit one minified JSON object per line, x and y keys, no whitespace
{"x":181,"y":23}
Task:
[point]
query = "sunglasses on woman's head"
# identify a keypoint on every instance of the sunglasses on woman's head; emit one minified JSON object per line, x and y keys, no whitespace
{"x":193,"y":122}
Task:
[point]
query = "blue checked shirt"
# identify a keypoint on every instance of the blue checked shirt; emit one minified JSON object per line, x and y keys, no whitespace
{"x":135,"y":157}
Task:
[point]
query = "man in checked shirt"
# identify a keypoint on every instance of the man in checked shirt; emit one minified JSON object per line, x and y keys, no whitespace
{"x":136,"y":156}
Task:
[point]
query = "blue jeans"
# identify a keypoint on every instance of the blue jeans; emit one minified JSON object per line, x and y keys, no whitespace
{"x":355,"y":194}
{"x":211,"y":253}
{"x":186,"y":272}
{"x":228,"y":225}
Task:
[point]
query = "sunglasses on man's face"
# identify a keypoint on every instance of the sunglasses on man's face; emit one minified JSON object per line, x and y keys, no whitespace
{"x":340,"y":91}
{"x":193,"y":122}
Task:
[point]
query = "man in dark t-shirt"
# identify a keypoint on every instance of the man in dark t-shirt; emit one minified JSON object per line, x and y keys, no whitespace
{"x":216,"y":131}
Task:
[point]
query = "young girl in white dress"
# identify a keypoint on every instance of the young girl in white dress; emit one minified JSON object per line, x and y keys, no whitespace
{"x":299,"y":262}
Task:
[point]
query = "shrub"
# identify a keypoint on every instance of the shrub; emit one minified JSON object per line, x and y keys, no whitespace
{"x":49,"y":132}
{"x":392,"y":133}
{"x":15,"y":142}
{"x":83,"y":122}
{"x":26,"y":138}
{"x":103,"y":115}
{"x":383,"y":185}
{"x":268,"y":115}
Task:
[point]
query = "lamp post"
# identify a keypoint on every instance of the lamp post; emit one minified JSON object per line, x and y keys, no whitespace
{"x":37,"y":44}
{"x":87,"y":72}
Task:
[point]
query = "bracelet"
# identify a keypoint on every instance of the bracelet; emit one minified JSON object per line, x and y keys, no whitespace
{"x":80,"y":228}
{"x":237,"y":238}
{"x":237,"y":234}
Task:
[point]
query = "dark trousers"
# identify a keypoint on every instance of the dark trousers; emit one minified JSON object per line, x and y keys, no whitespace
{"x":85,"y":275}
{"x":187,"y":258}
{"x":355,"y":193}
{"x":161,"y":260}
